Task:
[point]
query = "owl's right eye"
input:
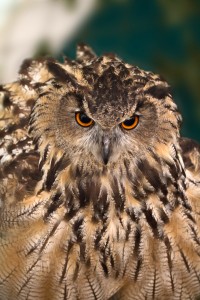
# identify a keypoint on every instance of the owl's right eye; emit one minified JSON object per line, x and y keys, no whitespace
{"x":83,"y":120}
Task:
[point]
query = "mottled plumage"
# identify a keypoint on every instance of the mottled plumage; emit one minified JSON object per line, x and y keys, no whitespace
{"x":97,"y":212}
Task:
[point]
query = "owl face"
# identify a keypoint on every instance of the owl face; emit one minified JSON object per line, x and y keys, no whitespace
{"x":104,"y":112}
{"x":102,"y":136}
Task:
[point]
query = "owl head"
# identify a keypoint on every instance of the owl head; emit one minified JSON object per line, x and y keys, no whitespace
{"x":97,"y":113}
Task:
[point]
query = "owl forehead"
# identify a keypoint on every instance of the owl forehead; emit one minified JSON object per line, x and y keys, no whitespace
{"x":113,"y":90}
{"x":107,"y":114}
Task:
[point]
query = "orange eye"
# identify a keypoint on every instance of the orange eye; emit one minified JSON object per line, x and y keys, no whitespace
{"x":130,"y":123}
{"x":83,"y":120}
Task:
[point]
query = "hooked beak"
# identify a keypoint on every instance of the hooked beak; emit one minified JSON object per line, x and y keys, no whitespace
{"x":105,"y":149}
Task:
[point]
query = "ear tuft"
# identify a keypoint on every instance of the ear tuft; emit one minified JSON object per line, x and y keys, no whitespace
{"x":61,"y":74}
{"x":84,"y":53}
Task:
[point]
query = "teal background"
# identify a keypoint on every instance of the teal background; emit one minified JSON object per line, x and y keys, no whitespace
{"x":157,"y":35}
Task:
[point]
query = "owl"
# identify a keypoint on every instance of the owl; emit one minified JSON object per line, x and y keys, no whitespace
{"x":99,"y":194}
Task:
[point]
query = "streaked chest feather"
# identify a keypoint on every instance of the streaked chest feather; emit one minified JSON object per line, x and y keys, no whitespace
{"x":63,"y":235}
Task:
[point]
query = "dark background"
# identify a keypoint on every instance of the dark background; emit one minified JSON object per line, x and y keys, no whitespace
{"x":157,"y":35}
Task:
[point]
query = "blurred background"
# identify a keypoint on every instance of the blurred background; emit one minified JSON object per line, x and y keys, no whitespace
{"x":157,"y":35}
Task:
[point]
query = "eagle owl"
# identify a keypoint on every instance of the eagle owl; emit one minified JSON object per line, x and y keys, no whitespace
{"x":99,"y":194}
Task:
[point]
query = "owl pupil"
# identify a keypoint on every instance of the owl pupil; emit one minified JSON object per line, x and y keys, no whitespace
{"x":84,"y":118}
{"x":129,"y":122}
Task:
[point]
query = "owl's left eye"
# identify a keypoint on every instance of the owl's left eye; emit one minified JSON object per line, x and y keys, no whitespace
{"x":83,"y":120}
{"x":130,"y":123}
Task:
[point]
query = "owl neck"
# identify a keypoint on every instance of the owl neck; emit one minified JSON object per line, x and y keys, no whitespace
{"x":150,"y":184}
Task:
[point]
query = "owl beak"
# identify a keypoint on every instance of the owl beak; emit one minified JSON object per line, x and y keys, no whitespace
{"x":106,"y":149}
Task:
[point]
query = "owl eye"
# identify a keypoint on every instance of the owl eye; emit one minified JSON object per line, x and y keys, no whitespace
{"x":83,"y":120}
{"x":130,"y":123}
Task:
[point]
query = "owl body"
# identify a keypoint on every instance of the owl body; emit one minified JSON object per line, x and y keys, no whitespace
{"x":99,"y":195}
